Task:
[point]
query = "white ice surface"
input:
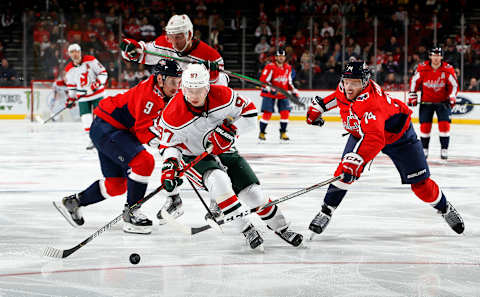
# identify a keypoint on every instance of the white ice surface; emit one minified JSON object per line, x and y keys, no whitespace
{"x":382,"y":241}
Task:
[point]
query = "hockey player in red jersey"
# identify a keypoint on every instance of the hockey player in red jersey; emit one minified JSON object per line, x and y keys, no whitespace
{"x":279,"y":74}
{"x":197,"y":116}
{"x":178,"y":42}
{"x":123,"y":124}
{"x":438,"y":83}
{"x":376,"y":122}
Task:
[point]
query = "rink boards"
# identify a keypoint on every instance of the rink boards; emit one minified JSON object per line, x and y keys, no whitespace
{"x":15,"y":103}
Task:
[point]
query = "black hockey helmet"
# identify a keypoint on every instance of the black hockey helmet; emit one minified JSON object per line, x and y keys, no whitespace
{"x":357,"y":70}
{"x":280,"y":52}
{"x":167,"y":68}
{"x":436,"y":51}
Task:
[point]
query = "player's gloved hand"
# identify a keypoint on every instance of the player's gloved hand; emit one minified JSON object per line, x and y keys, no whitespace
{"x":212,"y":66}
{"x":70,"y":102}
{"x":96,"y":85}
{"x":315,"y":110}
{"x":412,"y":99}
{"x":272,"y":91}
{"x":171,"y":174}
{"x":352,"y":167}
{"x":452,"y":101}
{"x":131,"y":48}
{"x":222,"y":138}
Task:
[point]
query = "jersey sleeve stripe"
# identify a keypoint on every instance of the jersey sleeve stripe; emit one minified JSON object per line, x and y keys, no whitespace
{"x":413,"y":84}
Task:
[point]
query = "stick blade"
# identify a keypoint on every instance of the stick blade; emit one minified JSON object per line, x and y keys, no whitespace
{"x":53,"y":253}
{"x":177,"y":225}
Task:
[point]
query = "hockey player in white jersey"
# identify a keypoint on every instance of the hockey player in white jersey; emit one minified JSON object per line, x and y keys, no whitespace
{"x":85,"y":78}
{"x":178,"y":42}
{"x":195,"y":117}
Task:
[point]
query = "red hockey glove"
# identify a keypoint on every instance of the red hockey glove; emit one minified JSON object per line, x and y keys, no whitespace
{"x":222,"y":138}
{"x":315,"y":111}
{"x":171,"y":174}
{"x":96,"y":85}
{"x":131,"y":48}
{"x":452,"y":100}
{"x":70,"y":102}
{"x":412,"y":99}
{"x":352,"y":167}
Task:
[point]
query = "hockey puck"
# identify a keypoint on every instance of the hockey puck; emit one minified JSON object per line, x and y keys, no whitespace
{"x":134,"y":258}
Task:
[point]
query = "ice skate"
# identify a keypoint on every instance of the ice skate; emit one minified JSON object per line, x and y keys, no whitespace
{"x":216,"y":211}
{"x":320,"y":221}
{"x":253,"y":238}
{"x":261,"y":136}
{"x":444,"y":154}
{"x":284,"y":137}
{"x":289,"y":236}
{"x":425,"y":151}
{"x":70,"y":210}
{"x":135,"y":221}
{"x":90,"y":146}
{"x":173,"y":205}
{"x":453,"y":219}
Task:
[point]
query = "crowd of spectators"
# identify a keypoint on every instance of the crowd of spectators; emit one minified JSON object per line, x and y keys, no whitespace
{"x":317,"y":48}
{"x":313,"y":49}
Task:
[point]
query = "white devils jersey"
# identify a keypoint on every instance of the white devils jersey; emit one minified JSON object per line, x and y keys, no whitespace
{"x":182,"y":129}
{"x":87,"y":80}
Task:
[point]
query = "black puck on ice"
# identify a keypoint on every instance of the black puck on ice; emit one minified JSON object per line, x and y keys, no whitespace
{"x":134,"y":258}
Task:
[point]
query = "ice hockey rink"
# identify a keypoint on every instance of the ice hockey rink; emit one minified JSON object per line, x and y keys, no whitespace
{"x":382,"y":240}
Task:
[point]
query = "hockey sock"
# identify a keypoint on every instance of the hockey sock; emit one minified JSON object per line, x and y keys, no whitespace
{"x":425,"y":129}
{"x":429,"y":192}
{"x":425,"y":142}
{"x":444,"y":132}
{"x":284,"y":114}
{"x":141,"y":168}
{"x":334,"y":196}
{"x":91,"y":195}
{"x":264,"y":121}
{"x":87,"y":119}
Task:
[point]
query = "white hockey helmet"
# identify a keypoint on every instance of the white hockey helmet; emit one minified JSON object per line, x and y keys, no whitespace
{"x":179,"y":24}
{"x":74,"y":47}
{"x":195,"y":76}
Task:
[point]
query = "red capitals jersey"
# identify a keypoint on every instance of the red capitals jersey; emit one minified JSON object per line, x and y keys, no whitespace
{"x":279,"y":76}
{"x":436,"y":85}
{"x":199,"y":52}
{"x":135,"y":109}
{"x":374,"y":117}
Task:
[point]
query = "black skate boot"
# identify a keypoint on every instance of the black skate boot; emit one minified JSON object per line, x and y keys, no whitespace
{"x":453,"y":219}
{"x":253,"y":238}
{"x":320,"y":221}
{"x":444,"y":154}
{"x":136,"y":221}
{"x":173,"y":205}
{"x":290,"y":236}
{"x":70,"y":210}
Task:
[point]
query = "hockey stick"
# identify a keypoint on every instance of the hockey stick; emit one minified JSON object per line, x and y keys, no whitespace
{"x":254,"y":81}
{"x":194,"y":230}
{"x":58,"y":253}
{"x":445,"y":102}
{"x":54,"y":115}
{"x":214,"y":224}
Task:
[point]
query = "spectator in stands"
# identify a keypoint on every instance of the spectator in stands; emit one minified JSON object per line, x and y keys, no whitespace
{"x":452,"y":56}
{"x":390,"y":83}
{"x":200,"y":22}
{"x":129,"y":76}
{"x":141,"y":73}
{"x":473,"y":86}
{"x":112,"y":70}
{"x":111,"y":20}
{"x":132,"y":29}
{"x":327,"y":28}
{"x":7,"y":18}
{"x":1,"y":50}
{"x":74,"y":35}
{"x":330,"y":77}
{"x":262,"y":47}
{"x":263,"y":30}
{"x":236,"y":22}
{"x":391,"y":45}
{"x":8,"y":75}
{"x":215,"y":40}
{"x":147,"y":30}
{"x":298,"y":42}
{"x":302,"y":79}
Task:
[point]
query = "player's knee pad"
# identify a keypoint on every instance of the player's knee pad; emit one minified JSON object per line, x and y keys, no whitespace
{"x":444,"y":128}
{"x":113,"y":186}
{"x":284,"y":114}
{"x":142,"y":166}
{"x":218,"y":185}
{"x":266,"y":116}
{"x":425,"y":129}
{"x":252,"y":196}
{"x":427,"y":190}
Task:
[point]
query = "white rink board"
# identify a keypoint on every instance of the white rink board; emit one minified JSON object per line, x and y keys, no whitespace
{"x":15,"y":101}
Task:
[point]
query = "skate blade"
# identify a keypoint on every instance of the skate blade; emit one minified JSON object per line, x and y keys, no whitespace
{"x":129,"y":228}
{"x":65,"y":214}
{"x":312,"y":235}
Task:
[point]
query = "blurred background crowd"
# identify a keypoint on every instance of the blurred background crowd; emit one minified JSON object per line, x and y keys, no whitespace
{"x":319,"y":36}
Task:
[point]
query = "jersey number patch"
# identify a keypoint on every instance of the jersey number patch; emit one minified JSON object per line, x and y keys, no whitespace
{"x":148,"y":107}
{"x":369,"y":116}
